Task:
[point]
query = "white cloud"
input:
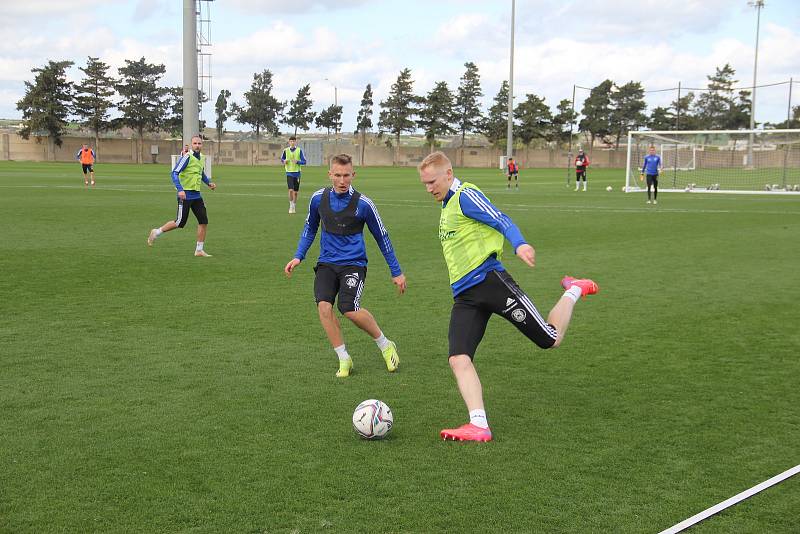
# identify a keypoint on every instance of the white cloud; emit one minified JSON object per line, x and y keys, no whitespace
{"x":297,"y":6}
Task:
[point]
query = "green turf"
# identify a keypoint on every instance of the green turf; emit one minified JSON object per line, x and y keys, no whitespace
{"x":145,"y":390}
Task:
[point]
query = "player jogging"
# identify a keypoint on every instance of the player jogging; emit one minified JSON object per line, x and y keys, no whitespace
{"x":187,"y":175}
{"x":512,"y":169}
{"x":292,"y":157}
{"x":86,"y":156}
{"x":342,"y":265}
{"x":472,"y":231}
{"x":651,"y":167}
{"x":581,"y":162}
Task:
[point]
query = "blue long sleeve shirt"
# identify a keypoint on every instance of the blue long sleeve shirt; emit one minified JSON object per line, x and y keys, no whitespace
{"x":346,"y":249}
{"x":302,"y":160}
{"x":651,"y":164}
{"x":475,"y":205}
{"x":179,"y":168}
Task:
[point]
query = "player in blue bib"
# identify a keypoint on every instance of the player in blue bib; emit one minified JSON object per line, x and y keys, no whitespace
{"x":651,"y":168}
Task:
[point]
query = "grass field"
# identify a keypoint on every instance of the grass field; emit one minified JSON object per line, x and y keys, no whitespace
{"x":146,"y":390}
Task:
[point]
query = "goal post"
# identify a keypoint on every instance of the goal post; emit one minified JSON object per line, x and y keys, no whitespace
{"x":717,"y":160}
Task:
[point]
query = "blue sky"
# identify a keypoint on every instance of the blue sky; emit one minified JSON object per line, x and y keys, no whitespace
{"x":355,"y":42}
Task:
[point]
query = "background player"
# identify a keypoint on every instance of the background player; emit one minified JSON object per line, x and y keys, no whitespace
{"x":512,"y":169}
{"x":651,"y":168}
{"x":342,"y":266}
{"x":86,"y":156}
{"x":187,"y":175}
{"x":472,"y":231}
{"x":581,"y":162}
{"x":292,"y":157}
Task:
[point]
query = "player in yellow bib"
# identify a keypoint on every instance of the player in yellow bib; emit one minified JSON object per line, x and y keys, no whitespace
{"x":472,"y":232}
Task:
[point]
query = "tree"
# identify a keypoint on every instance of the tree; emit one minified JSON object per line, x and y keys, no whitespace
{"x":221,"y":111}
{"x":262,"y":109}
{"x":93,"y":97}
{"x":495,"y":127}
{"x":562,"y":121}
{"x":436,"y":117}
{"x":468,"y":110}
{"x":535,"y":120}
{"x":398,"y":110}
{"x":143,"y":106}
{"x":628,"y":109}
{"x":329,"y":118}
{"x":597,"y":112}
{"x":364,"y":119}
{"x":172,"y":122}
{"x":47,"y":103}
{"x":793,"y":122}
{"x":300,"y":114}
{"x":719,"y":108}
{"x":661,"y":119}
{"x":682,"y":108}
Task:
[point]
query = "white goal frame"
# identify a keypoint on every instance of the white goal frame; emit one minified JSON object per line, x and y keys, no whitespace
{"x":631,"y":178}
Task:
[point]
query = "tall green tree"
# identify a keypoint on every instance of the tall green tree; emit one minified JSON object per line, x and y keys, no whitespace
{"x":562,"y":120}
{"x":437,"y":117}
{"x":93,"y":97}
{"x":661,"y":119}
{"x":597,"y":112}
{"x":364,"y":119}
{"x":628,"y":109}
{"x":534,"y":120}
{"x":329,"y":118}
{"x":172,"y":122}
{"x":495,"y":127}
{"x":399,"y":109}
{"x":468,"y":109}
{"x":299,"y":114}
{"x":47,"y":103}
{"x":682,"y":108}
{"x":143,"y":106}
{"x":222,"y":114}
{"x":261,"y":109}
{"x":721,"y":108}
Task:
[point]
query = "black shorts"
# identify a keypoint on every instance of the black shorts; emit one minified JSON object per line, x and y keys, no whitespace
{"x":197,"y":206}
{"x":293,"y":183}
{"x":499,"y":294}
{"x":652,"y":179}
{"x":514,"y":174}
{"x":580,"y":174}
{"x":87,"y":167}
{"x":347,"y":281}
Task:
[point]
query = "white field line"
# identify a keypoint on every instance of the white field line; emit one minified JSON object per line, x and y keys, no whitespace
{"x":730,"y":502}
{"x":161,"y":190}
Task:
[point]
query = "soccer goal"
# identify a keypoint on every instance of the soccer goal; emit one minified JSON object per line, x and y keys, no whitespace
{"x":731,"y":161}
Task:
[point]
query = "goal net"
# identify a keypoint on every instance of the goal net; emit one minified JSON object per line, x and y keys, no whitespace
{"x":733,"y":161}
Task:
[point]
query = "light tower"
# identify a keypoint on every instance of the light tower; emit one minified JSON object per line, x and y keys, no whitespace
{"x":758,"y":4}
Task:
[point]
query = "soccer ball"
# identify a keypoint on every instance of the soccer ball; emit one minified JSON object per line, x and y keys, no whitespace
{"x":609,"y":188}
{"x":373,"y":419}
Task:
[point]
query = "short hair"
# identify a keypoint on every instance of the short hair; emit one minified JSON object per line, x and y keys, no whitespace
{"x":510,"y":158}
{"x":293,"y":138}
{"x":435,"y":159}
{"x":342,"y":159}
{"x":197,"y":136}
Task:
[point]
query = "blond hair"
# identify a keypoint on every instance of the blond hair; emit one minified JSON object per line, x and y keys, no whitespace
{"x":435,"y":159}
{"x":342,"y":159}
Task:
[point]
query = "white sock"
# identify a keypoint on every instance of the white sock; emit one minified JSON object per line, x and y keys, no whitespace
{"x":478,"y":418}
{"x":199,"y":246}
{"x":382,"y":342}
{"x":341,"y":352}
{"x":158,"y":231}
{"x":574,"y":293}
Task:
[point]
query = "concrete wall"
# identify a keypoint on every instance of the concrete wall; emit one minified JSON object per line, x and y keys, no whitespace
{"x":113,"y":150}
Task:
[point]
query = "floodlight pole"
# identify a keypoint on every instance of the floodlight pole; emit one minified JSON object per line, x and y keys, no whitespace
{"x":510,"y":130}
{"x":191,"y":117}
{"x":335,"y":105}
{"x":758,"y":4}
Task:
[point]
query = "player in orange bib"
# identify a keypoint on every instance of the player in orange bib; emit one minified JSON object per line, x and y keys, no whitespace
{"x":86,"y":156}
